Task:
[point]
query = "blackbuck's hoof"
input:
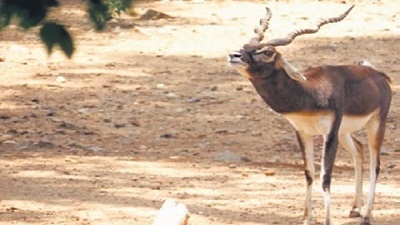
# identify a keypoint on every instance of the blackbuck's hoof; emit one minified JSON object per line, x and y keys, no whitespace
{"x":366,"y":221}
{"x":354,"y":214}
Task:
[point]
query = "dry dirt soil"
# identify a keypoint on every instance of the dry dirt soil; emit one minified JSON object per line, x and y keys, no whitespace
{"x":149,"y":110}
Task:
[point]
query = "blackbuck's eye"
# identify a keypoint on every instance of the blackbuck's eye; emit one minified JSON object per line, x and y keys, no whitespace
{"x":268,"y":53}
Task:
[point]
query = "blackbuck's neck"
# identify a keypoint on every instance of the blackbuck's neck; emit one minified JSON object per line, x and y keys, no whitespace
{"x":285,"y":95}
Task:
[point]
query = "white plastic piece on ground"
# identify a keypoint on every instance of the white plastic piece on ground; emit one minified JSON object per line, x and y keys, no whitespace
{"x":172,"y":213}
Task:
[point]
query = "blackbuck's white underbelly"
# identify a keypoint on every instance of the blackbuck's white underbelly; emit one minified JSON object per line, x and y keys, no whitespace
{"x":320,"y":123}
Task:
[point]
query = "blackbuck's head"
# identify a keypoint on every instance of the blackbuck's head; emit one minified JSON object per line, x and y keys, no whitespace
{"x":257,"y":58}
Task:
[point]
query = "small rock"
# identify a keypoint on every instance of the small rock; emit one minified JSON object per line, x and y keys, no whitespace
{"x":95,"y":148}
{"x":25,"y":145}
{"x":4,"y":117}
{"x":178,"y":158}
{"x":35,"y":100}
{"x":221,"y":131}
{"x":269,"y":173}
{"x":15,"y":120}
{"x":84,"y":131}
{"x":60,"y":79}
{"x":152,"y":14}
{"x":119,"y":125}
{"x":214,"y":88}
{"x":256,"y":134}
{"x":227,"y":156}
{"x":246,"y":159}
{"x":73,"y":144}
{"x":50,"y":113}
{"x":391,"y":166}
{"x":332,"y":45}
{"x":67,"y":125}
{"x":135,"y":122}
{"x":384,"y":151}
{"x":232,"y":166}
{"x":160,"y":86}
{"x":12,"y":209}
{"x":167,"y":136}
{"x":171,"y":95}
{"x":193,"y":100}
{"x":83,"y":110}
{"x":56,"y":120}
{"x":45,"y":144}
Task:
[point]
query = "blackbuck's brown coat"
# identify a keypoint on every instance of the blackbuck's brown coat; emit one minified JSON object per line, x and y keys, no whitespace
{"x":332,"y":101}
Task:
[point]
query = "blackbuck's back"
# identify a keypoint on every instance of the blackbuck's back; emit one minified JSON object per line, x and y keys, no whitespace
{"x":362,"y":88}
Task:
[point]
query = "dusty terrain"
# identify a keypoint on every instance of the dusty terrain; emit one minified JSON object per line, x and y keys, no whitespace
{"x":149,"y":110}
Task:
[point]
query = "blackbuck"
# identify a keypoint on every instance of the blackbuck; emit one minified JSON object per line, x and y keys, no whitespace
{"x":332,"y":101}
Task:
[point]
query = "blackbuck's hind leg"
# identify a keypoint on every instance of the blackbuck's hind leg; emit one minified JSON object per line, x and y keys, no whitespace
{"x":376,"y":132}
{"x":306,"y":145}
{"x":354,"y":147}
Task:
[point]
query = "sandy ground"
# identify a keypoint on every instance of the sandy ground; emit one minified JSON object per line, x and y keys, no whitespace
{"x":150,"y":110}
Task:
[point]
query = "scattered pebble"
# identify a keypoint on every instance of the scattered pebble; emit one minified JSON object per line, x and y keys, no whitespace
{"x":384,"y":151}
{"x":50,"y":113}
{"x":60,"y":79}
{"x":214,"y":88}
{"x":134,"y":122}
{"x":269,"y":172}
{"x":232,"y":166}
{"x":152,"y":14}
{"x":45,"y":144}
{"x":25,"y":145}
{"x":391,"y":166}
{"x":160,"y":86}
{"x":119,"y":125}
{"x":83,"y":110}
{"x":107,"y":120}
{"x":171,"y":95}
{"x":227,"y":156}
{"x":246,"y":159}
{"x":95,"y":148}
{"x":193,"y":100}
{"x":167,"y":136}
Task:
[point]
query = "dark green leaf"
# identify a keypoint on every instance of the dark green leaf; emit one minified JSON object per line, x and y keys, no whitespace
{"x":5,"y":17}
{"x":28,"y":12}
{"x":99,"y":13}
{"x":119,"y":5}
{"x":53,"y":34}
{"x":52,"y":3}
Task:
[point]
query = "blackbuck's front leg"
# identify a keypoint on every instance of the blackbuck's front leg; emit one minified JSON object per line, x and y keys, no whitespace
{"x":306,"y":145}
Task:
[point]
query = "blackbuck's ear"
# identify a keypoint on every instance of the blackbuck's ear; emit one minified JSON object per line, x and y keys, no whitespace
{"x":291,"y":71}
